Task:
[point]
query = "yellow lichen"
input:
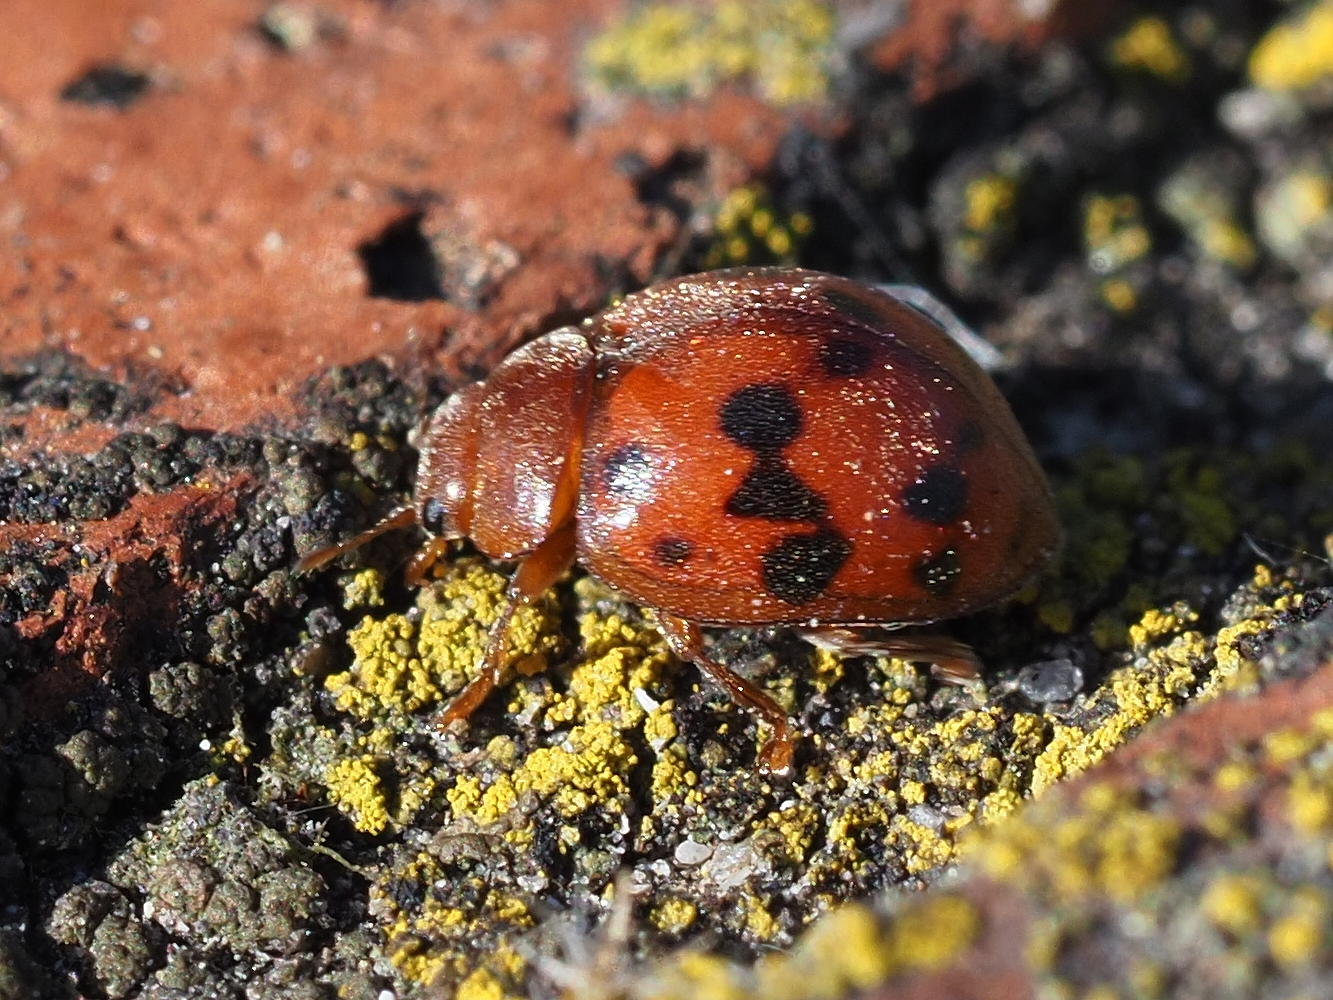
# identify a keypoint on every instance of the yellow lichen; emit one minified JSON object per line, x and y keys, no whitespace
{"x":401,"y":667}
{"x":1149,"y":45}
{"x":618,"y":662}
{"x":912,"y":792}
{"x":1297,"y":53}
{"x":356,"y":788}
{"x":1289,"y":745}
{"x":589,"y":767}
{"x":672,"y":49}
{"x":1310,"y":804}
{"x":852,"y":949}
{"x":1205,"y":210}
{"x":430,"y":944}
{"x":1226,"y":240}
{"x":659,"y":728}
{"x":1296,"y":209}
{"x":674,"y":781}
{"x":842,"y":952}
{"x":480,"y":984}
{"x":758,"y":921}
{"x":1232,"y":671}
{"x":1114,"y":233}
{"x":1119,"y":294}
{"x":749,"y":229}
{"x":673,"y":915}
{"x":1298,"y":936}
{"x":1233,"y":777}
{"x":1156,"y":625}
{"x":695,"y":974}
{"x":1107,"y":846}
{"x":933,"y":932}
{"x":826,"y":669}
{"x":365,"y":589}
{"x":795,"y":824}
{"x":1231,"y":903}
{"x":409,"y":937}
{"x":923,"y":849}
{"x":988,"y":202}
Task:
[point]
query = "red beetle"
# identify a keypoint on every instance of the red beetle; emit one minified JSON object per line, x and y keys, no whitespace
{"x":741,"y":447}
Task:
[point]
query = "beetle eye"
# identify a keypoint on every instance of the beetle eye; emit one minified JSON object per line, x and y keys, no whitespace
{"x":432,"y":516}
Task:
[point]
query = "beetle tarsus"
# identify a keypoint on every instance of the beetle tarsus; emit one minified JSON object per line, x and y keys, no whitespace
{"x":427,"y":556}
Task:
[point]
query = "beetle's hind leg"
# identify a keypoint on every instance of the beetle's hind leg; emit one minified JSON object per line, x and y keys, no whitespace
{"x":538,"y":571}
{"x":950,"y":660}
{"x":685,"y":639}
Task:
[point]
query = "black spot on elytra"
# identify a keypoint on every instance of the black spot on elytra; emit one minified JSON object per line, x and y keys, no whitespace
{"x":628,"y":472}
{"x":970,"y":438}
{"x":800,"y":567}
{"x":842,"y":357}
{"x":773,"y":491}
{"x":938,"y":496}
{"x":938,"y":572}
{"x":673,"y":551}
{"x":850,"y":305}
{"x":761,"y":417}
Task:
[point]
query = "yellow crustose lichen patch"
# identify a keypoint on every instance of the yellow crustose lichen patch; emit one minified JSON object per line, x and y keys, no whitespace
{"x":400,"y":667}
{"x":605,"y":701}
{"x":1109,"y":846}
{"x":681,"y":49}
{"x":1298,"y":53}
{"x":355,"y":788}
{"x":674,"y":915}
{"x":1297,"y":937}
{"x":1232,"y":903}
{"x":1149,"y":45}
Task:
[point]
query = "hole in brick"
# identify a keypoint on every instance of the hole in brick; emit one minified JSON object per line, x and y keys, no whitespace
{"x":400,"y":263}
{"x":107,"y":85}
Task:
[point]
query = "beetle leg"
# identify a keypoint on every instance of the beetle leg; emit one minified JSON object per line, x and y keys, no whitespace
{"x":950,"y":660}
{"x":426,"y":557}
{"x":403,"y":517}
{"x":535,"y":574}
{"x":685,"y":639}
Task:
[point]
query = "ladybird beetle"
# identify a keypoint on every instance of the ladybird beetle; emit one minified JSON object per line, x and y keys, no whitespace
{"x":741,"y":447}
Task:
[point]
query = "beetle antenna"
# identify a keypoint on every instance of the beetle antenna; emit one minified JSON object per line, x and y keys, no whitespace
{"x":403,"y":517}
